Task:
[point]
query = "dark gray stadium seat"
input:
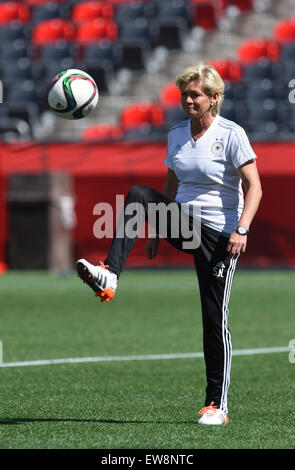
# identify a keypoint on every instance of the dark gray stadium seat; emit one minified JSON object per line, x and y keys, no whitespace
{"x":57,"y":51}
{"x":13,"y":31}
{"x":173,"y":116}
{"x":174,"y":9}
{"x":288,"y":52}
{"x":261,"y":69}
{"x":51,"y":68}
{"x":47,"y":11}
{"x":103,"y":50}
{"x":264,"y":111}
{"x":21,"y":69}
{"x":22,"y":91}
{"x":129,"y":11}
{"x":228,"y":110}
{"x":260,"y":90}
{"x":101,"y":71}
{"x":14,"y":50}
{"x":169,"y":33}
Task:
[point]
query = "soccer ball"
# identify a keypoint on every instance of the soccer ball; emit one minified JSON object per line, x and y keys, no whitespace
{"x":73,"y":94}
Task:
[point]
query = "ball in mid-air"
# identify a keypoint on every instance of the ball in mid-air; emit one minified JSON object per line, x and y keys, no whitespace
{"x":73,"y":94}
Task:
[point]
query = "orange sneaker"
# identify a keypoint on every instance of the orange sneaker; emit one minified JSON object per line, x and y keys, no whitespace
{"x":102,"y":281}
{"x":212,"y":415}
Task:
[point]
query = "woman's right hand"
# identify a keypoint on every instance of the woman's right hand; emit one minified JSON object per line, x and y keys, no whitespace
{"x":151,"y":248}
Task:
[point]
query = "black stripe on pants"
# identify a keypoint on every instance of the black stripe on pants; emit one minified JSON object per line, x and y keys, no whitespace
{"x":215,"y":271}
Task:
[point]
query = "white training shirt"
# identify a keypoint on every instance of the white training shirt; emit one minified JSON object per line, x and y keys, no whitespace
{"x":207,"y":170}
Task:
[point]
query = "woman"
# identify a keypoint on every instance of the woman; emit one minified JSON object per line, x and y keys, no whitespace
{"x":208,"y":158}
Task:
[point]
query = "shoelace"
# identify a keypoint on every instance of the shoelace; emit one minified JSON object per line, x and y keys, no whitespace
{"x":212,"y":409}
{"x":103,"y":266}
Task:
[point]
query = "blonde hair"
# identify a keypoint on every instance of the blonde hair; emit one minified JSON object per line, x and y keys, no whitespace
{"x":211,"y":82}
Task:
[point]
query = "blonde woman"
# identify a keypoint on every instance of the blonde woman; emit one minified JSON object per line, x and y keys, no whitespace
{"x":208,"y":159}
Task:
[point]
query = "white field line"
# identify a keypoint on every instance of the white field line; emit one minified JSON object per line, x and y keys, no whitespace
{"x":75,"y":360}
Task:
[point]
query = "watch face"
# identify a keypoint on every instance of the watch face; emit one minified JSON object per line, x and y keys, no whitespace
{"x":242,"y":230}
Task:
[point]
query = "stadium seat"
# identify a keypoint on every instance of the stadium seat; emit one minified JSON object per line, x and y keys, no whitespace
{"x":228,"y":110}
{"x":141,"y":113}
{"x":57,"y":51}
{"x":104,"y":50}
{"x":138,"y":29}
{"x":170,"y":96}
{"x":250,"y":51}
{"x":90,"y":31}
{"x":47,"y":11}
{"x":12,"y":51}
{"x":90,"y":10}
{"x":235,"y":91}
{"x":228,"y":69}
{"x":51,"y":68}
{"x":288,"y":71}
{"x":102,"y":132}
{"x":101,"y":71}
{"x":206,"y":13}
{"x":53,"y":30}
{"x":264,"y":111}
{"x":133,"y":44}
{"x":132,"y":55}
{"x":169,"y":33}
{"x":130,"y":11}
{"x":284,"y":31}
{"x":264,"y":131}
{"x":174,"y":9}
{"x":21,"y":69}
{"x":43,"y":2}
{"x":173,"y":115}
{"x":22,"y":92}
{"x":262,"y":69}
{"x":260,"y":90}
{"x":288,"y":52}
{"x":14,"y":11}
{"x":12,"y":31}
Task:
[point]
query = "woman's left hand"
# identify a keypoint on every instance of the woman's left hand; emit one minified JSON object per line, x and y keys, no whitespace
{"x":236,"y":244}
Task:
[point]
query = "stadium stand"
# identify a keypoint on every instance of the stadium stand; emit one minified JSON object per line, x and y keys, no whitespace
{"x":39,"y":38}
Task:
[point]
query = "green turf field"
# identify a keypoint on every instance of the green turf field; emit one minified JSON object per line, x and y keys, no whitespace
{"x":141,"y":403}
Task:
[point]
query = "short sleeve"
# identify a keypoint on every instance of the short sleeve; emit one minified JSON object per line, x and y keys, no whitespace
{"x":169,"y":155}
{"x":241,"y":150}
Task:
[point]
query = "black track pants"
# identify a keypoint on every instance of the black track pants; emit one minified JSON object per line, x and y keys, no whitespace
{"x":215,"y":271}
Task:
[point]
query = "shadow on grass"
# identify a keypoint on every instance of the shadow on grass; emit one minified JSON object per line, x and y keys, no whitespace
{"x":14,"y":421}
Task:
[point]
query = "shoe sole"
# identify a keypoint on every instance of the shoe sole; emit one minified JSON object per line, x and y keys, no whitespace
{"x":215,"y":424}
{"x":86,"y":276}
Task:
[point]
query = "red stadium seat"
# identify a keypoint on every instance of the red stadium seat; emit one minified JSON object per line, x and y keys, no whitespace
{"x":50,"y":31}
{"x":170,"y":96}
{"x":229,"y":70}
{"x":252,"y":50}
{"x":14,"y":11}
{"x":117,"y":2}
{"x":142,"y":113}
{"x":102,"y":132}
{"x":41,"y":2}
{"x":284,"y":31}
{"x":96,"y":30}
{"x":89,"y":10}
{"x":207,"y":13}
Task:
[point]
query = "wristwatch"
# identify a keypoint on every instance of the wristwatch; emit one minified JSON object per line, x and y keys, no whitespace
{"x":241,"y":230}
